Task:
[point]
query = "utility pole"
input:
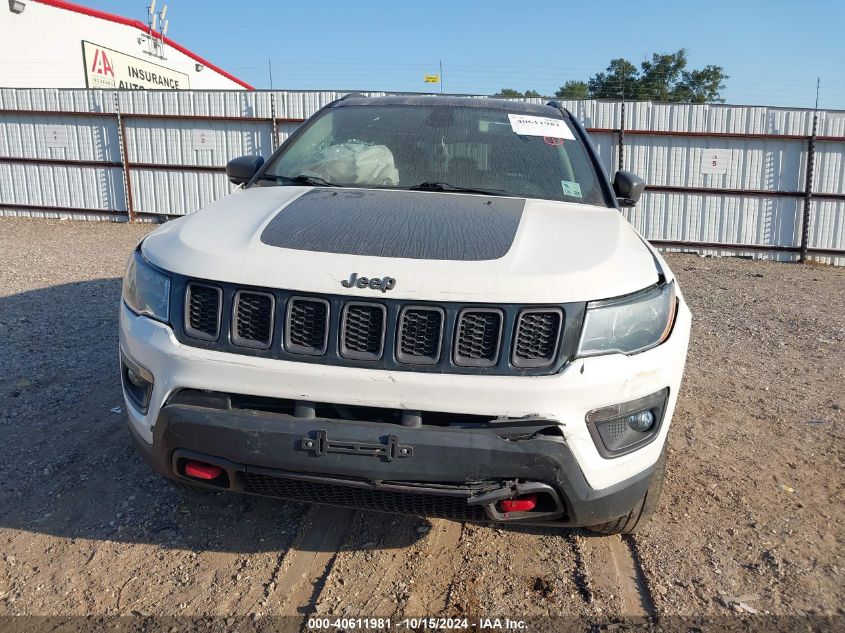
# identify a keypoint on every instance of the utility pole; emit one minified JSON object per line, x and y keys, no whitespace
{"x":808,"y":180}
{"x":270,"y":68}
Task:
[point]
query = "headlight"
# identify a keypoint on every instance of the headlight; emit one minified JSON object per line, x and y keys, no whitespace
{"x":146,"y":290}
{"x":630,"y":324}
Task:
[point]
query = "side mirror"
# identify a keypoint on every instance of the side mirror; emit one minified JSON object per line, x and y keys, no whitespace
{"x":242,"y":169}
{"x":628,"y":188}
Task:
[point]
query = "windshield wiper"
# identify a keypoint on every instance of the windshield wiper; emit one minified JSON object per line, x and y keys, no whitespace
{"x":434,"y":185}
{"x":301,"y":179}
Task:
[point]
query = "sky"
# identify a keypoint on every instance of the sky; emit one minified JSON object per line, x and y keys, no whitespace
{"x":773,"y":51}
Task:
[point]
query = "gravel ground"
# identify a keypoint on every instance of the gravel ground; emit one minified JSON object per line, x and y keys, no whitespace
{"x":751,"y":519}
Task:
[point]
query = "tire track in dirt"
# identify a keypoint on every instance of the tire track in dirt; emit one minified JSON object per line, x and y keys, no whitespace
{"x":432,"y":569}
{"x":615,"y":578}
{"x":532,"y":572}
{"x":579,"y":573}
{"x":374,"y":599}
{"x":643,"y":588}
{"x":302,"y":571}
{"x":367,"y":576}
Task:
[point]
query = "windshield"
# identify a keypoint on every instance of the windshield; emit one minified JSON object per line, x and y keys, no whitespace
{"x":443,"y":149}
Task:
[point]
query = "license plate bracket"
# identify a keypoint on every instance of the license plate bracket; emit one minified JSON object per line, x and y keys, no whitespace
{"x":321,"y":445}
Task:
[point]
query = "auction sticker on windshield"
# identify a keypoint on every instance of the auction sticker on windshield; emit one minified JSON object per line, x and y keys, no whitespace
{"x":571,"y":188}
{"x":527,"y":125}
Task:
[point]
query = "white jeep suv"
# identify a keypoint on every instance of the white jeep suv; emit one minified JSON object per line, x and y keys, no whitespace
{"x":423,"y":305}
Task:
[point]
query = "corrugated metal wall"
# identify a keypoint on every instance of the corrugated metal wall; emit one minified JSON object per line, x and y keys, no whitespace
{"x":167,"y":174}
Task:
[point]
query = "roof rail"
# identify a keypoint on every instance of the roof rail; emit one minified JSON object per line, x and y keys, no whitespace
{"x":352,"y":95}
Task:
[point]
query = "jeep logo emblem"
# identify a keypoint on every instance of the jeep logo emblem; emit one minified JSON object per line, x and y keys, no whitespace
{"x":384,"y":284}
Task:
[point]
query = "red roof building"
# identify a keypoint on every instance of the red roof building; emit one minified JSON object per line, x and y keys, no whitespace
{"x":58,"y":44}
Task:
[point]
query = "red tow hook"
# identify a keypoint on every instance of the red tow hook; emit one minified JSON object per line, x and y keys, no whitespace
{"x":199,"y":470}
{"x":525,"y":503}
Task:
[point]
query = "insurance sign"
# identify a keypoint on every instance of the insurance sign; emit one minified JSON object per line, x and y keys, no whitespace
{"x":107,"y":68}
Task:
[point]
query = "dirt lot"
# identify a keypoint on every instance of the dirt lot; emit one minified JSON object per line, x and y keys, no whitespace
{"x":751,"y":518}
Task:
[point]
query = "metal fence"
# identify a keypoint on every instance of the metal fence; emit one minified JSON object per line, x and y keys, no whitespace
{"x":778,"y":190}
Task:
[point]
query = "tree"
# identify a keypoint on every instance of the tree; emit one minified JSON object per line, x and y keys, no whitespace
{"x":664,"y":77}
{"x":659,"y":76}
{"x":573,"y":90}
{"x":701,"y":86}
{"x":510,"y":92}
{"x":617,"y":83}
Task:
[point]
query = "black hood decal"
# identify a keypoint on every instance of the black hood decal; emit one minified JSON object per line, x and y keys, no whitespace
{"x":392,"y":223}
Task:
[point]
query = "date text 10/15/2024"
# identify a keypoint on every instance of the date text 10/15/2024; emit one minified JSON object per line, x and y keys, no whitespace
{"x":416,"y":624}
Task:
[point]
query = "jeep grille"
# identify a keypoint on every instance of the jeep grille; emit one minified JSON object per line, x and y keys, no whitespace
{"x":307,"y":326}
{"x":388,"y":333}
{"x":479,"y":335}
{"x":253,"y":319}
{"x":420,"y":335}
{"x":363,"y":331}
{"x":537,"y":337}
{"x":202,"y":311}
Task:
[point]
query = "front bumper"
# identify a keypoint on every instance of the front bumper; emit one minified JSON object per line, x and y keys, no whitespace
{"x":592,"y":488}
{"x":456,"y":473}
{"x":566,"y":397}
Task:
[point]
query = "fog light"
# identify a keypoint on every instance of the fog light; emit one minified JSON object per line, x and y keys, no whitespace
{"x":621,"y":428}
{"x":135,"y":379}
{"x":137,"y":384}
{"x":641,"y":422}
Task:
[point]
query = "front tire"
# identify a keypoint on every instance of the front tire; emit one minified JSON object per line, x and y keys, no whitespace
{"x":645,"y":508}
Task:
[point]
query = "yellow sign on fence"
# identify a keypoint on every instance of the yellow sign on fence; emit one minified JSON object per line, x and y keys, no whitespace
{"x":432,"y":79}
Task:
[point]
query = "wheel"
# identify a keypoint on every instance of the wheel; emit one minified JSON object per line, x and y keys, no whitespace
{"x":645,"y":508}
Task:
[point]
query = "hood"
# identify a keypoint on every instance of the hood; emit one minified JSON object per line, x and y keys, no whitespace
{"x":436,"y":246}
